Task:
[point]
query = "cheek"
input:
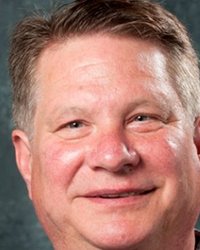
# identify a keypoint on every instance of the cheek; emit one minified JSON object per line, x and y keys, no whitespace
{"x":166,"y":158}
{"x":60,"y":162}
{"x":163,"y":153}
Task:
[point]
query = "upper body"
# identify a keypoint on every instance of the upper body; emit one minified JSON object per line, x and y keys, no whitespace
{"x":107,"y":132}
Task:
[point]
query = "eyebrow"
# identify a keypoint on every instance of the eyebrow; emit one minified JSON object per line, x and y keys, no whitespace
{"x":145,"y":103}
{"x":59,"y":113}
{"x":132,"y":105}
{"x":159,"y":106}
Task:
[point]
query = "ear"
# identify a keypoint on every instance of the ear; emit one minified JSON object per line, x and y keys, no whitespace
{"x":197,"y":134}
{"x":23,"y":156}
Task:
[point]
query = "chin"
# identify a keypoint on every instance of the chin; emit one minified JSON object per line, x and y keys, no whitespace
{"x":117,"y":236}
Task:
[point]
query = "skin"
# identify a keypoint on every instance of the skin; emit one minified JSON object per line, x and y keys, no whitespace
{"x":109,"y":121}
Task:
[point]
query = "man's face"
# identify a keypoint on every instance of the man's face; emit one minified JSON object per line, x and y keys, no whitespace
{"x":113,"y":161}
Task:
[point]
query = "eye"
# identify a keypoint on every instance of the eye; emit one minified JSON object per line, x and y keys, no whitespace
{"x":142,"y":118}
{"x":74,"y":124}
{"x":145,"y":123}
{"x":74,"y":129}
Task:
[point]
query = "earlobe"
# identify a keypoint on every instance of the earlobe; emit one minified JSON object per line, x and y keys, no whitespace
{"x":197,"y":135}
{"x":23,"y":156}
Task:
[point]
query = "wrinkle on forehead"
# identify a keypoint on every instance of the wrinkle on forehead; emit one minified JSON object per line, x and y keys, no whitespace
{"x":87,"y":51}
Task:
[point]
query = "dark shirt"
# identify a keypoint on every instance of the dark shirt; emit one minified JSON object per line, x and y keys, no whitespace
{"x":197,"y":240}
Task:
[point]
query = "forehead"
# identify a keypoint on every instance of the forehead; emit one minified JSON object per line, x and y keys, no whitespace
{"x":98,"y":61}
{"x":77,"y":54}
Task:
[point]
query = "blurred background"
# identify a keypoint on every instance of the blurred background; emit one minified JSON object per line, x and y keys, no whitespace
{"x":19,"y":228}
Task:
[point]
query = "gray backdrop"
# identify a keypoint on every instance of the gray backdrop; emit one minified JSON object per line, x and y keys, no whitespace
{"x":19,"y":228}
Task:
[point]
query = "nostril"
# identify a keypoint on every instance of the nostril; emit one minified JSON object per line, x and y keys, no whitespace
{"x":128,"y":168}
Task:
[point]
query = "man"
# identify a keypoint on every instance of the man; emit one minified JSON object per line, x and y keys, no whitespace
{"x":107,"y":138}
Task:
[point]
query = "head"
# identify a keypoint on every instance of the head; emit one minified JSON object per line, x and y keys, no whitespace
{"x":125,"y":78}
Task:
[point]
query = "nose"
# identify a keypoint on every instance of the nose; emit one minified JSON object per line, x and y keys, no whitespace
{"x":112,"y":153}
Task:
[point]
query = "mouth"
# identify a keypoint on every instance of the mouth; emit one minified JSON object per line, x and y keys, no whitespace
{"x":125,"y":194}
{"x":113,"y":194}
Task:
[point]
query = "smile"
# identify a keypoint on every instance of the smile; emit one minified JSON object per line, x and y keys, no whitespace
{"x":117,"y":194}
{"x":125,"y":194}
{"x":121,"y":197}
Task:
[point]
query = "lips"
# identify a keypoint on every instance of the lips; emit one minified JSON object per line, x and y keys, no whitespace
{"x":117,"y":194}
{"x":124,"y":195}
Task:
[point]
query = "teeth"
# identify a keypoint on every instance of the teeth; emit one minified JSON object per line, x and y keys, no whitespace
{"x":118,"y":195}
